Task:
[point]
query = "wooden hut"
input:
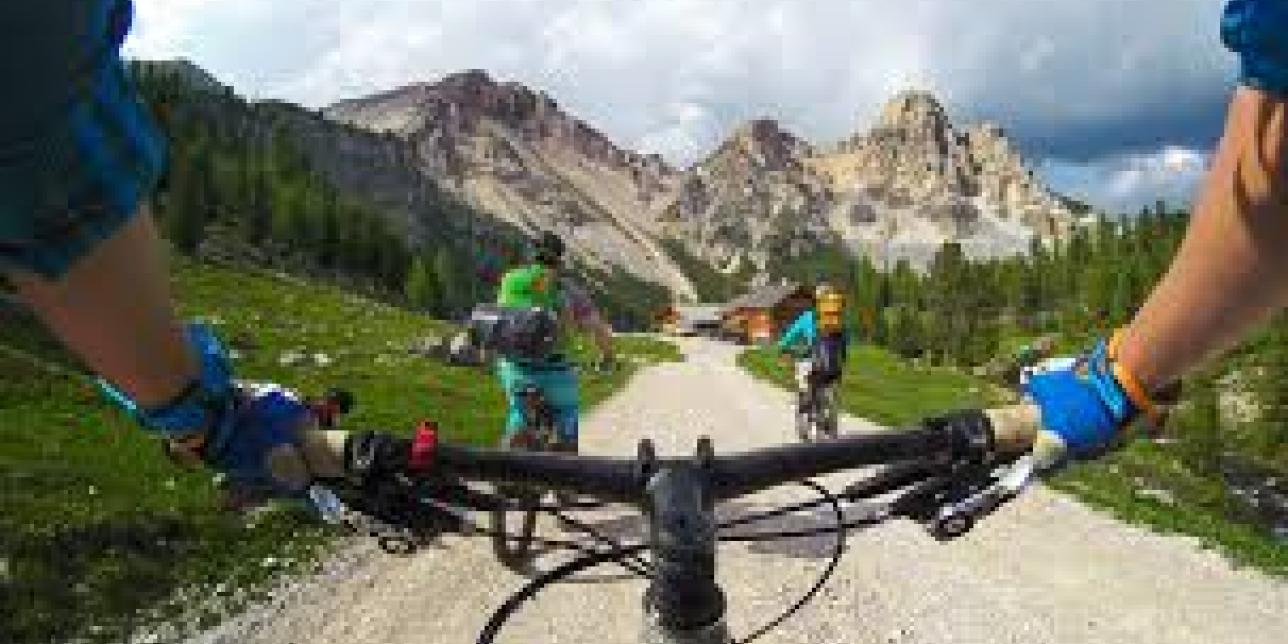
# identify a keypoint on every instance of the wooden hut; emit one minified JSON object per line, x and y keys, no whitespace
{"x":761,"y":315}
{"x":690,"y":320}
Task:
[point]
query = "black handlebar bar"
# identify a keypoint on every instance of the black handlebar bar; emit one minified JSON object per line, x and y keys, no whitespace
{"x":940,"y":463}
{"x":964,"y":435}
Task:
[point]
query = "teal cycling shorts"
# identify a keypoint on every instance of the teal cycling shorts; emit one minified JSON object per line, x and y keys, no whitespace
{"x":78,"y":150}
{"x":1257,"y":30}
{"x":558,"y":383}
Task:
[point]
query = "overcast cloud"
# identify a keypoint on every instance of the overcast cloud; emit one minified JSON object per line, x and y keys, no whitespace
{"x":1103,"y":95}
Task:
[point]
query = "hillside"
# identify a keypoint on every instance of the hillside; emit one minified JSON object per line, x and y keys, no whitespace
{"x":273,"y":184}
{"x":470,"y":166}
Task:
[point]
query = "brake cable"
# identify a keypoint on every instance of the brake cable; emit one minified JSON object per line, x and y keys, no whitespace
{"x":837,"y":552}
{"x":559,"y":573}
{"x":634,"y":564}
{"x":512,"y":603}
{"x":627,"y":555}
{"x":486,"y":501}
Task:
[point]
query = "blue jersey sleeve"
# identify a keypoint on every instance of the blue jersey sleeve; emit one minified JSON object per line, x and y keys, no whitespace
{"x":1257,"y":30}
{"x":78,"y":150}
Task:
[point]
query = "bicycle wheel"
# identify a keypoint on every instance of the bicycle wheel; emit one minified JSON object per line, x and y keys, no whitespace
{"x":828,"y":420}
{"x":513,"y":547}
{"x":804,"y":418}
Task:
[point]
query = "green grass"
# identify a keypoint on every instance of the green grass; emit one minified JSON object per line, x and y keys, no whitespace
{"x":1199,"y":505}
{"x":877,"y":385}
{"x":98,"y":531}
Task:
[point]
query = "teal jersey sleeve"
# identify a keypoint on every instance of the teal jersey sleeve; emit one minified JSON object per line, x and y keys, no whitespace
{"x":802,"y":330}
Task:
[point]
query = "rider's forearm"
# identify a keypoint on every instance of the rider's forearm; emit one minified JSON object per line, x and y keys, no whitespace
{"x":1231,"y":272}
{"x":603,"y":337}
{"x":113,"y":309}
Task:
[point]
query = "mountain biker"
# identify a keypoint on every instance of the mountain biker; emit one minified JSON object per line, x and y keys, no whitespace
{"x":540,"y":285}
{"x":818,"y":341}
{"x":1228,"y":278}
{"x":78,"y":156}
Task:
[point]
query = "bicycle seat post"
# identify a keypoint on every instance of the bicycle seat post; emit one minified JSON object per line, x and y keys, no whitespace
{"x":683,"y":604}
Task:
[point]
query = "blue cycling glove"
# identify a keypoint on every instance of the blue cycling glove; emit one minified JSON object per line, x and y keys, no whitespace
{"x":242,"y":427}
{"x":1082,"y":402}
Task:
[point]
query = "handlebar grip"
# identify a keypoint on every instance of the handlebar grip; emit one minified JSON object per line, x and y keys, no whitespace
{"x":1018,"y":429}
{"x":1015,"y":428}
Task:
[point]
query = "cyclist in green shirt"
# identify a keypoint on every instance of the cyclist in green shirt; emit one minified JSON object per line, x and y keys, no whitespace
{"x":540,"y":284}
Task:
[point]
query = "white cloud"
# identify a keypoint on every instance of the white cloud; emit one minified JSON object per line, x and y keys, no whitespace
{"x":1125,"y":183}
{"x":1074,"y":79}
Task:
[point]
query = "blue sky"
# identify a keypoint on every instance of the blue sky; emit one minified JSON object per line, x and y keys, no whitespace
{"x":1114,"y":101}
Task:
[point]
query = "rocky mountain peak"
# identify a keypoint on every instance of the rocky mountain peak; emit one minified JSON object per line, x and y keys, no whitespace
{"x":470,"y":80}
{"x":899,"y":189}
{"x":759,"y":131}
{"x":508,"y":149}
{"x":765,"y":144}
{"x":915,"y":112}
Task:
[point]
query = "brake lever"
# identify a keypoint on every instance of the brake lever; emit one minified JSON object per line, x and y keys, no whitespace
{"x":957,"y":518}
{"x":402,"y":514}
{"x":327,"y":504}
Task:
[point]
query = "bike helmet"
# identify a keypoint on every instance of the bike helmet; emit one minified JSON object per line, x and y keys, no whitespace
{"x":823,"y":289}
{"x":548,"y":249}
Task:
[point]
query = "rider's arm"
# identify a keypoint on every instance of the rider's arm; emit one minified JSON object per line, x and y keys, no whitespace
{"x":74,"y":241}
{"x":583,"y":313}
{"x":112,"y":308}
{"x":797,"y":332}
{"x":1231,"y":273}
{"x":81,"y":155}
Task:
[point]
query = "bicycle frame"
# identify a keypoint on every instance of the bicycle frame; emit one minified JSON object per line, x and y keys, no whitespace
{"x":816,"y":413}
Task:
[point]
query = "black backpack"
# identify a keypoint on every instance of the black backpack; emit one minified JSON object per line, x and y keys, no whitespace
{"x":828,"y":356}
{"x":528,"y":334}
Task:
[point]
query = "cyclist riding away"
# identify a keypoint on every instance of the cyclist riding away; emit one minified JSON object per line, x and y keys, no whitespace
{"x":819,"y":343}
{"x":527,"y":294}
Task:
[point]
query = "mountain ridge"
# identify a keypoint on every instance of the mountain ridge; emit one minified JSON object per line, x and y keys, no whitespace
{"x":510,"y":150}
{"x":897,"y":190}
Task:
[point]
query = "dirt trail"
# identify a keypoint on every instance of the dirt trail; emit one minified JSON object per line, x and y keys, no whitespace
{"x":1045,"y":570}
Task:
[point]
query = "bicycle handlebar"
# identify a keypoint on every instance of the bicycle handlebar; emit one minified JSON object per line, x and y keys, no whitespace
{"x":1015,"y":429}
{"x":1007,"y":431}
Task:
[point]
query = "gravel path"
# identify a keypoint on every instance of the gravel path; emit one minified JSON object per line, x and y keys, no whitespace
{"x":1044,"y":570}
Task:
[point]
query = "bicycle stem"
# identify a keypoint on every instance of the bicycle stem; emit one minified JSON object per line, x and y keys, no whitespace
{"x":683,"y":604}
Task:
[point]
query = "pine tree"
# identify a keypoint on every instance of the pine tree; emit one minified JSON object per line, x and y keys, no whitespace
{"x":421,"y":289}
{"x":185,"y":205}
{"x":449,"y":280}
{"x":907,"y":338}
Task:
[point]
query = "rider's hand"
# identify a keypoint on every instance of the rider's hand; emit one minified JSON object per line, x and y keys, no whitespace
{"x":233,"y":429}
{"x":1083,"y":402}
{"x":258,"y":442}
